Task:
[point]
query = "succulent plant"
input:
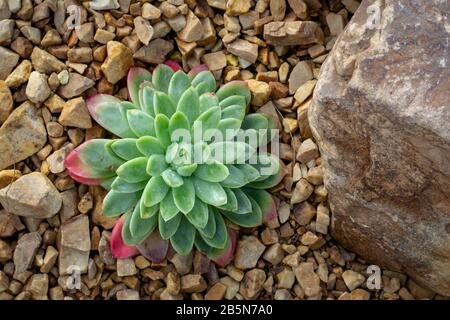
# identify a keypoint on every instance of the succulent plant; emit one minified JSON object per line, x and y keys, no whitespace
{"x":154,"y":180}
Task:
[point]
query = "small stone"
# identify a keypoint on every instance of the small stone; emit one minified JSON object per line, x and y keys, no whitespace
{"x":216,"y":292}
{"x":285,"y":279}
{"x":177,"y":23}
{"x":165,"y":295}
{"x":260,"y":92}
{"x":303,"y":189}
{"x":9,"y":60}
{"x":193,"y":283}
{"x":6,"y":251}
{"x":150,"y":12}
{"x":282,"y":294}
{"x":86,"y":32}
{"x":193,"y":29}
{"x":127,"y":294}
{"x":277,"y":9}
{"x":26,"y":250}
{"x":6,"y":102}
{"x":232,"y":287}
{"x":248,"y":19}
{"x":51,"y":38}
{"x":126,"y":267}
{"x":300,"y":8}
{"x":215,"y":60}
{"x":45,"y":62}
{"x":75,"y":245}
{"x":103,"y":36}
{"x":249,"y":250}
{"x":289,"y":33}
{"x":9,"y":224}
{"x":305,"y":91}
{"x":290,"y":125}
{"x":75,"y":86}
{"x":183,"y":264}
{"x":51,"y":254}
{"x":231,"y":24}
{"x":269,"y":236}
{"x":75,"y":114}
{"x":4,"y":282}
{"x":358,"y":294}
{"x":418,"y":291}
{"x":252,"y":284}
{"x":309,"y":238}
{"x":32,"y":195}
{"x":144,"y":30}
{"x":201,"y":263}
{"x":86,"y":203}
{"x":38,"y":286}
{"x":301,"y":73}
{"x":323,"y":219}
{"x":274,"y":254}
{"x":118,"y":61}
{"x":56,"y":159}
{"x":353,"y":279}
{"x":237,"y":7}
{"x":244,"y":49}
{"x":405,"y":294}
{"x":308,"y":279}
{"x":6,"y":31}
{"x":104,"y":5}
{"x":31,"y":33}
{"x":168,"y":9}
{"x":156,"y":52}
{"x":335,"y":23}
{"x":80,"y":55}
{"x":173,"y":283}
{"x":307,"y":151}
{"x":37,"y":88}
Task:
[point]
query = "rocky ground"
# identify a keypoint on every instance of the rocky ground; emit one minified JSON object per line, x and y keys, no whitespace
{"x":50,"y":224}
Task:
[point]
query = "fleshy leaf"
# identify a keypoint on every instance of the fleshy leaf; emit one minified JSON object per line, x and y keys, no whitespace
{"x":135,"y":77}
{"x":258,"y":123}
{"x":233,"y":100}
{"x":207,"y":120}
{"x":210,"y":229}
{"x":214,"y":172}
{"x":119,"y":249}
{"x":122,"y":186}
{"x":269,"y":181}
{"x":208,"y":100}
{"x":86,"y":181}
{"x":155,"y":190}
{"x":239,"y":88}
{"x":220,"y":238}
{"x":134,"y":170}
{"x":189,"y":104}
{"x":183,"y":239}
{"x":187,"y":170}
{"x":197,"y":69}
{"x":229,"y":128}
{"x":94,"y":101}
{"x":173,"y":65}
{"x":126,"y":148}
{"x":177,"y":123}
{"x":243,"y":202}
{"x":148,"y":212}
{"x":162,"y":129}
{"x":141,"y":123}
{"x":224,"y":256}
{"x":161,"y":77}
{"x":178,"y":85}
{"x":232,"y":203}
{"x":265,"y":202}
{"x":184,"y":196}
{"x":236,"y":179}
{"x":116,"y":203}
{"x":210,"y":192}
{"x":230,"y":152}
{"x":250,"y":172}
{"x":154,"y":248}
{"x":234,"y":111}
{"x":156,"y":165}
{"x":167,"y":207}
{"x":247,"y":220}
{"x":147,"y":94}
{"x":168,"y":228}
{"x":172,"y":178}
{"x":111,"y":116}
{"x":205,"y":77}
{"x":141,"y":228}
{"x":150,"y":145}
{"x":198,"y":216}
{"x":163,"y":104}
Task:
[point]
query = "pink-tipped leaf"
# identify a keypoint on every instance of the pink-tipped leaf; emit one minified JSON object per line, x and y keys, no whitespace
{"x":136,"y":76}
{"x":119,"y":249}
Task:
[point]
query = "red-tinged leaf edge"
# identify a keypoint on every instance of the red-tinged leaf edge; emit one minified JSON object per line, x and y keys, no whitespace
{"x":119,"y":249}
{"x":173,"y":65}
{"x":93,"y":101}
{"x":228,"y":252}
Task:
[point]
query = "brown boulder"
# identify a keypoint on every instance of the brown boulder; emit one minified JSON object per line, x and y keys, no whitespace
{"x":380,"y":114}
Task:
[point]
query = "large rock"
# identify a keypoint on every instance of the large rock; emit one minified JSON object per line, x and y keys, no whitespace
{"x":32,"y":195}
{"x":380,"y":114}
{"x":22,"y":135}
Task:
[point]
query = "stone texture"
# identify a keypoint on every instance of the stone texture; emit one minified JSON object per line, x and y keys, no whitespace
{"x":74,"y":245}
{"x":384,"y":138}
{"x":75,"y":86}
{"x":45,"y":62}
{"x":19,"y":75}
{"x":244,"y":49}
{"x":156,"y":51}
{"x":248,"y":251}
{"x":22,"y":135}
{"x":117,"y":62}
{"x":75,"y":114}
{"x":6,"y":101}
{"x":289,"y":33}
{"x":26,"y":250}
{"x":32,"y":195}
{"x":9,"y":60}
{"x":37,"y":88}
